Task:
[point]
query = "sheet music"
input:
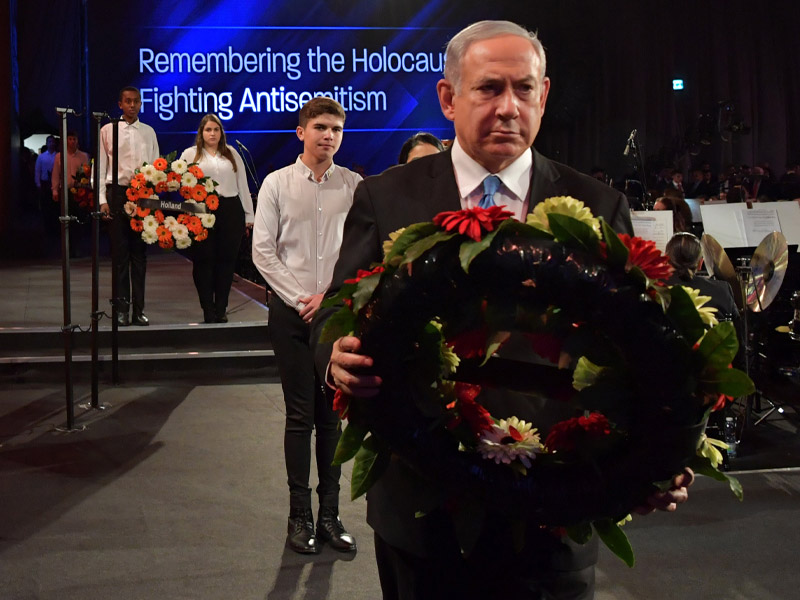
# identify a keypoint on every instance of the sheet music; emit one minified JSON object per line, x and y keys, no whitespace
{"x":758,"y":224}
{"x":654,"y":225}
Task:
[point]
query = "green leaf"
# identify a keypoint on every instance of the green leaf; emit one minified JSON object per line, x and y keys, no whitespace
{"x":719,"y":346}
{"x":683,"y":313}
{"x":364,"y":290}
{"x":342,"y":322}
{"x":468,"y":517}
{"x":703,"y":466}
{"x":616,"y":540}
{"x":369,"y":465}
{"x":494,"y":342}
{"x":419,"y":247}
{"x":731,"y":382}
{"x":581,"y":533}
{"x":616,"y":250}
{"x":514,"y":227}
{"x":346,"y":291}
{"x":171,"y":156}
{"x":470,"y":249}
{"x":349,"y":443}
{"x":568,"y":229}
{"x":410,"y":235}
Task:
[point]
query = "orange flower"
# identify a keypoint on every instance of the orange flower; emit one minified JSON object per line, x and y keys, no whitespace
{"x":87,"y":169}
{"x":212,"y":202}
{"x":166,"y":243}
{"x":145,"y":192}
{"x":199,"y":193}
{"x":173,"y":176}
{"x":194,"y":225}
{"x":136,"y":225}
{"x":163,"y":232}
{"x":142,"y":212}
{"x":201,"y":236}
{"x":196,"y":171}
{"x":161,"y":187}
{"x":186,"y":192}
{"x":183,"y":218}
{"x":159,"y":216}
{"x":131,"y":194}
{"x":138,"y":180}
{"x":160,"y":163}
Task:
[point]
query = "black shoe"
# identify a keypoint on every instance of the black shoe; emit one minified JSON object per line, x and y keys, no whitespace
{"x":223,"y":318}
{"x":140,"y":319}
{"x":122,"y":319}
{"x":209,"y":316}
{"x":300,"y":536}
{"x":331,"y":531}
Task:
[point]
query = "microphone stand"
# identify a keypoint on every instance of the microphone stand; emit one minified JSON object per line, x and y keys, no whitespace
{"x":249,"y":164}
{"x":638,"y":166}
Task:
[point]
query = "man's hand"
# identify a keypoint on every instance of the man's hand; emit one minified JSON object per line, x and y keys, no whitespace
{"x":106,"y":211}
{"x":346,"y":366}
{"x":669,"y":500}
{"x":311,"y":306}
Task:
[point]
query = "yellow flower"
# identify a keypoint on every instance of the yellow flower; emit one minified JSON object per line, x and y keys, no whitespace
{"x":707,"y":449}
{"x":628,"y":518}
{"x":706,"y":312}
{"x":387,"y":245}
{"x":450,"y":360}
{"x":562,"y":205}
{"x":585,"y":374}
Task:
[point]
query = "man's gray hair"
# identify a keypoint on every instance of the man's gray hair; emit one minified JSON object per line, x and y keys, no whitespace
{"x":484,"y":30}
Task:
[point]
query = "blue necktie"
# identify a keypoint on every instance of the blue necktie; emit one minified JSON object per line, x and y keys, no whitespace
{"x":490,"y":185}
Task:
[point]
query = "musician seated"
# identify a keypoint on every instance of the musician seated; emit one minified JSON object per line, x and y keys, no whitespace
{"x":685,"y":254}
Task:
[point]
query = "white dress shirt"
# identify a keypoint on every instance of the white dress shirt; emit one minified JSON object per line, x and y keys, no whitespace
{"x":298,"y":228}
{"x":516,"y":179}
{"x":137,"y":145}
{"x":229,"y":182}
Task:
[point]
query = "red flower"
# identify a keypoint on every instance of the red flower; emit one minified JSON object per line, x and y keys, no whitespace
{"x":161,"y":187}
{"x":137,"y":225}
{"x":341,"y":402}
{"x":199,"y":193}
{"x":545,"y":345}
{"x":645,"y":255}
{"x":477,"y":417}
{"x":570,"y":434}
{"x":160,"y":163}
{"x":361,"y":274}
{"x":196,"y":171}
{"x":472,"y":221}
{"x":159,"y":216}
{"x":201,"y":236}
{"x":470,"y":344}
{"x":142,"y":212}
{"x":132,"y":195}
{"x":173,"y":176}
{"x":212,"y":202}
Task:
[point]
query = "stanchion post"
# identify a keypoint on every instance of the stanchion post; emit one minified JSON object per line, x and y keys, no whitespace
{"x":96,"y":314}
{"x":65,"y":219}
{"x":114,"y":285}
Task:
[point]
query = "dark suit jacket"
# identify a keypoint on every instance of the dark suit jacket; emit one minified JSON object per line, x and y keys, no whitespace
{"x":413,"y":193}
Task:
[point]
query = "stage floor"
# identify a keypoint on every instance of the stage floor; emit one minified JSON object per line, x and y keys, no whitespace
{"x":32,"y":293}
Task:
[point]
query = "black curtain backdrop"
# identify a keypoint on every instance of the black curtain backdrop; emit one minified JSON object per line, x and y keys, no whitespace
{"x":611,"y":65}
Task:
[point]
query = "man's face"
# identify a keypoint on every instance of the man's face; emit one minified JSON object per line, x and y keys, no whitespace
{"x":51,"y":144}
{"x":498,"y":107}
{"x":130,"y":103}
{"x":321,"y":137}
{"x":72,"y":144}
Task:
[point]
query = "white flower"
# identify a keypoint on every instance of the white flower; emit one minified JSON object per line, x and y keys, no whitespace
{"x":510,"y":439}
{"x":188,"y":180}
{"x":130,"y":208}
{"x":150,"y":222}
{"x":170,"y":222}
{"x":183,"y":242}
{"x":149,"y":236}
{"x":209,"y":185}
{"x":208,"y":220}
{"x":159,"y":176}
{"x":179,"y":231}
{"x":173,"y":186}
{"x":149,"y":172}
{"x":179,"y":166}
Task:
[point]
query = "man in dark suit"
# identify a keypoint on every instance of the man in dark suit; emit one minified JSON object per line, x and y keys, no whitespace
{"x":495,"y":92}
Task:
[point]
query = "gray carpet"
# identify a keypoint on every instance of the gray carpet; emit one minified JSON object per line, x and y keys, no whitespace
{"x":177,"y":491}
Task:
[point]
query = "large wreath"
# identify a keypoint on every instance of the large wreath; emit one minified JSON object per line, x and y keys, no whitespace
{"x":170,"y":185}
{"x":642,"y":366}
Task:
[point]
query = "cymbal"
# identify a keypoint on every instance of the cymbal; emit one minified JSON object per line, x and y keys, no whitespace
{"x":768,"y":268}
{"x":720,"y":266}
